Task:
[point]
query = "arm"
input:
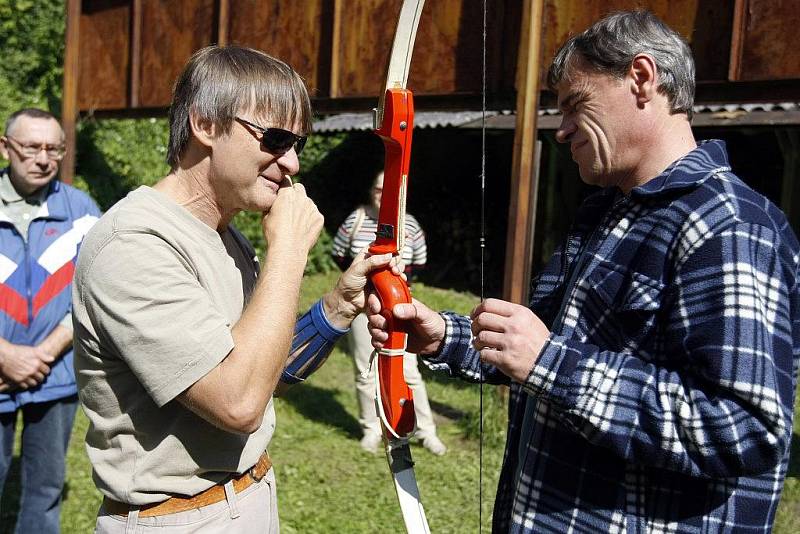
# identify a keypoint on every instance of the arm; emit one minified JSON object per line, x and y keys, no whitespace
{"x":235,"y":394}
{"x":442,"y":340}
{"x":24,"y":366}
{"x":724,"y":408}
{"x":317,"y":331}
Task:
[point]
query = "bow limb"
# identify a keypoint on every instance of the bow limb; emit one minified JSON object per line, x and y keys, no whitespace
{"x":394,"y":122}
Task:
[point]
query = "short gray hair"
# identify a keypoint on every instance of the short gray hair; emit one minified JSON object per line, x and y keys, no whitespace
{"x":610,"y":45}
{"x":32,"y":113}
{"x":219,"y":82}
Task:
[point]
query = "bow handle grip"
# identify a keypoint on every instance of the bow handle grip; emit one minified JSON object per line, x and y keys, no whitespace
{"x":395,"y":396}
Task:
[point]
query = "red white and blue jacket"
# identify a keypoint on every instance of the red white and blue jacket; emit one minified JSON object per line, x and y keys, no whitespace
{"x":36,"y":283}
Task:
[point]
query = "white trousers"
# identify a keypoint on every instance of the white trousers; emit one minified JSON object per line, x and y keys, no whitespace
{"x":253,"y":511}
{"x":360,"y":346}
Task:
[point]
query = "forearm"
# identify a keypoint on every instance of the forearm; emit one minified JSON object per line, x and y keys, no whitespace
{"x":670,"y":418}
{"x":458,"y":358}
{"x":313,"y":340}
{"x":57,"y":343}
{"x":263,"y":333}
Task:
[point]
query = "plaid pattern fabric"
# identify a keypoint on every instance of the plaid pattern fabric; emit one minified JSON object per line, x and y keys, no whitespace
{"x":663,"y":399}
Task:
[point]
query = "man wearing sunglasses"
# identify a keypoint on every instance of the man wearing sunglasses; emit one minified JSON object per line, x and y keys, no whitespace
{"x":180,"y":340}
{"x":42,"y":222}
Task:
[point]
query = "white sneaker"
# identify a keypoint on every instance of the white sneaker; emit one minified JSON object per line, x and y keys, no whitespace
{"x":371,"y":442}
{"x":434,"y":445}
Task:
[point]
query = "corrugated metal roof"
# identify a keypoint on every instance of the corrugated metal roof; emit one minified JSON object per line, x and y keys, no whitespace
{"x":422,"y":119}
{"x":705,"y":115}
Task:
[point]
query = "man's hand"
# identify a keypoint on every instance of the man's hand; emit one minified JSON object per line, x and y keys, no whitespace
{"x":425,"y":327}
{"x":348,"y":298}
{"x":293,"y":221}
{"x":24,"y":366}
{"x":508,"y":336}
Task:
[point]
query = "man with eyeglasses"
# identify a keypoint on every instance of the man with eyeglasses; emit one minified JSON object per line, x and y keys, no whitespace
{"x":42,"y":222}
{"x":180,"y":341}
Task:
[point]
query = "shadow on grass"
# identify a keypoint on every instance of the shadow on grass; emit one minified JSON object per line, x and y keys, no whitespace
{"x":445,"y":410}
{"x":794,"y":457}
{"x":320,"y":405}
{"x":9,"y":506}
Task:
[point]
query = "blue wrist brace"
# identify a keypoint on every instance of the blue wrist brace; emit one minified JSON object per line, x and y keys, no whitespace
{"x":317,"y":336}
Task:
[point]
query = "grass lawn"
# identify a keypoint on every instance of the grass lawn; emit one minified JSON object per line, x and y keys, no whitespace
{"x":326,"y":483}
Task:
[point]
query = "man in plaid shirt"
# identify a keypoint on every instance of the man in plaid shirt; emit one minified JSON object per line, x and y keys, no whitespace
{"x":652,"y":378}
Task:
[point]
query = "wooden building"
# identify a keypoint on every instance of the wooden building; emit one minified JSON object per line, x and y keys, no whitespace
{"x":122,"y":57}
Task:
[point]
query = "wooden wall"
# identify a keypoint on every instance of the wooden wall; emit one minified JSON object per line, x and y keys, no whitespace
{"x":130,"y":51}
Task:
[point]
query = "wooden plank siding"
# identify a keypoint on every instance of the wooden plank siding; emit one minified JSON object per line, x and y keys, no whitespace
{"x":104,"y":58}
{"x":766,"y":50}
{"x":171,"y":31}
{"x":296,"y":32}
{"x":132,"y":50}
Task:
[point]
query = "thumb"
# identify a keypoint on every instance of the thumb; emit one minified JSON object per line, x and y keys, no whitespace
{"x":405,"y":311}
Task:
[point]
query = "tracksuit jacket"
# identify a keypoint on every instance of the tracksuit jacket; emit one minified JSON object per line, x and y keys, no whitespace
{"x":36,"y":283}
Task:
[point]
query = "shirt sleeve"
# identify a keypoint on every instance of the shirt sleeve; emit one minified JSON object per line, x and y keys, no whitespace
{"x":416,"y":239}
{"x":726,"y":409}
{"x":341,"y":241}
{"x":148,"y":307}
{"x":458,"y":358}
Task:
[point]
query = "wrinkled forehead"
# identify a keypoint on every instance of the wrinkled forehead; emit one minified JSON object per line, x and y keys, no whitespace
{"x":36,"y":130}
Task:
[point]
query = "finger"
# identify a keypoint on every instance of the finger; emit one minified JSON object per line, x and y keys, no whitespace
{"x":488,"y":340}
{"x":371,"y":263}
{"x":497,"y":306}
{"x":377,"y":321}
{"x":491,"y":357}
{"x":373,"y":304}
{"x":489,"y":321}
{"x":405,"y":311}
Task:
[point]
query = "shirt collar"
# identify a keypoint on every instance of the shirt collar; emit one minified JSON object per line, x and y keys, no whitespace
{"x":688,"y":171}
{"x":9,"y":194}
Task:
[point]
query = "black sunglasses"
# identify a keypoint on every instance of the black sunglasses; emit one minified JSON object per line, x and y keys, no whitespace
{"x":278,"y":140}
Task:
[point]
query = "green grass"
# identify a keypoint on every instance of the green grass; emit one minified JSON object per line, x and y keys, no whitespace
{"x":326,"y":483}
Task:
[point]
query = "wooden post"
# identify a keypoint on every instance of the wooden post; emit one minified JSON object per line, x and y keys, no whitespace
{"x":738,"y":30}
{"x":336,"y":49}
{"x":136,"y":54}
{"x":223,"y":22}
{"x":69,"y":96}
{"x":524,"y":175}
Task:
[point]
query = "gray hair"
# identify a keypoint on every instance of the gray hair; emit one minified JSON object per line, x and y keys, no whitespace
{"x":219,"y":82}
{"x":33,"y":113}
{"x":610,"y":45}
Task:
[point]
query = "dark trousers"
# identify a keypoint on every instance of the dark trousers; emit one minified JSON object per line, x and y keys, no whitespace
{"x":46,"y":429}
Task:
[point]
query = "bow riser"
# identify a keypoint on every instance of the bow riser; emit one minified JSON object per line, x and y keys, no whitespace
{"x":395,"y":132}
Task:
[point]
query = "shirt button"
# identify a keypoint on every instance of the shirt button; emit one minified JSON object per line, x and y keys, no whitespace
{"x":26,"y":216}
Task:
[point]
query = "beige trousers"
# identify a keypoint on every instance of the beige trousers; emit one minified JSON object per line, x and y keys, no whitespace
{"x":360,"y":346}
{"x":253,"y":511}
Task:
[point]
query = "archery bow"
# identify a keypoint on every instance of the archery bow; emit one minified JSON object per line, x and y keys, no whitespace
{"x":394,"y":121}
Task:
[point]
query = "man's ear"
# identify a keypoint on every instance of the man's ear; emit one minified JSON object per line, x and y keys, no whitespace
{"x":644,"y":75}
{"x":202,"y":129}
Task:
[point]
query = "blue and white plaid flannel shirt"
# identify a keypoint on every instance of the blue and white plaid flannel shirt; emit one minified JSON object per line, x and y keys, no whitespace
{"x":662,"y":401}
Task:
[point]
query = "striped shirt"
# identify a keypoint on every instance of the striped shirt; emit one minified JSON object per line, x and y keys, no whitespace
{"x":663,"y":399}
{"x":358,"y":231}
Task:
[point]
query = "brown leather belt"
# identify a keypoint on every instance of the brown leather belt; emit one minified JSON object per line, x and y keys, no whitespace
{"x":212,"y":495}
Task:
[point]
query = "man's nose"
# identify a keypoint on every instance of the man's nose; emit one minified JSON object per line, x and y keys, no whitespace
{"x":565,"y":130}
{"x":289,"y":162}
{"x":41,"y":158}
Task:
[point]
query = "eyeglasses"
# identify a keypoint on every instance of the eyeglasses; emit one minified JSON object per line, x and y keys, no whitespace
{"x":277,"y":139}
{"x":28,"y":150}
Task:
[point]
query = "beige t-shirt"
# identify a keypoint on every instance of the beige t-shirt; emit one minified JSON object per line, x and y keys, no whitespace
{"x":156,"y":294}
